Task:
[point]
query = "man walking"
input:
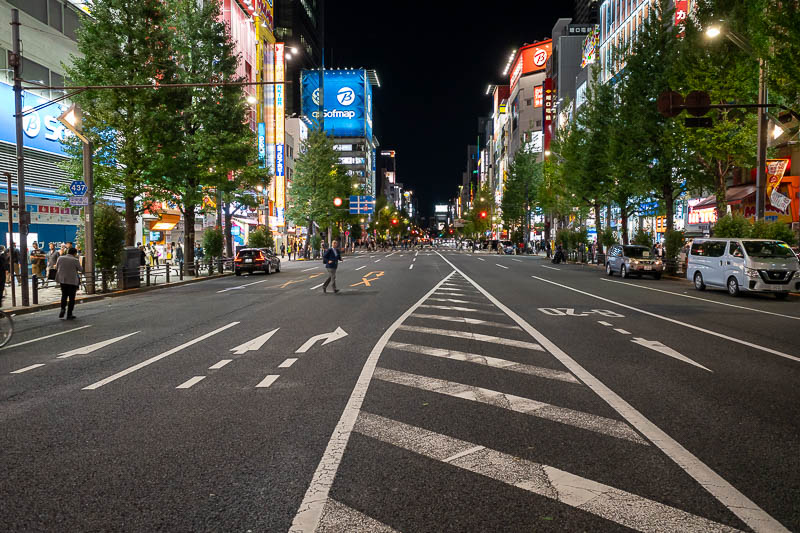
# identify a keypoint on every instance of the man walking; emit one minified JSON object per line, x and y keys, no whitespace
{"x":331,"y":260}
{"x":68,"y":274}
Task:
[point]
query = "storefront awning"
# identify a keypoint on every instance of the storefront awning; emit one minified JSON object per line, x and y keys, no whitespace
{"x":733,"y":196}
{"x":165,"y":223}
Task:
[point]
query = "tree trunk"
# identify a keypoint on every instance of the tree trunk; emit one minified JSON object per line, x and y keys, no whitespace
{"x":189,"y":239}
{"x":721,"y":194}
{"x":669,"y":201}
{"x":228,"y":229}
{"x":130,"y":221}
{"x":598,"y":227}
{"x":624,"y":217}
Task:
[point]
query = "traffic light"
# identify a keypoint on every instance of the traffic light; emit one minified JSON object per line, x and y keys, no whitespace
{"x":451,"y":231}
{"x":337,"y":201}
{"x":483,"y":214}
{"x":394,"y":222}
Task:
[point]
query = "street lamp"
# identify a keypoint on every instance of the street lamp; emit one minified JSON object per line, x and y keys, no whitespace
{"x":713,"y":31}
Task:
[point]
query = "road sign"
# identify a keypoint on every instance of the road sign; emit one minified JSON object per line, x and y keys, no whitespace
{"x":78,"y":201}
{"x":362,"y":205}
{"x":78,"y":188}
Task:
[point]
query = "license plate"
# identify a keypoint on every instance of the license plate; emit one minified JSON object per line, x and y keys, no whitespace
{"x":248,"y":260}
{"x":648,"y":268}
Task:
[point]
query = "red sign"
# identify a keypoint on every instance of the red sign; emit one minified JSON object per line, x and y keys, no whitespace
{"x":549,"y":111}
{"x":681,"y":14}
{"x":531,"y":58}
{"x":538,"y":91}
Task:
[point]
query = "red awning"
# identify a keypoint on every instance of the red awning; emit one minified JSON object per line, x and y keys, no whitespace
{"x":733,"y":196}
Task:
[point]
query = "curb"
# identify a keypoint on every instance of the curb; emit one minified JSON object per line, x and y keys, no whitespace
{"x":95,"y":297}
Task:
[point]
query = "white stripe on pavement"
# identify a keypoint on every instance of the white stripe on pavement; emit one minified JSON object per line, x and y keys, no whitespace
{"x":220,"y":364}
{"x":501,"y":266}
{"x":310,"y":510}
{"x":242,"y":286}
{"x":317,"y":286}
{"x":485,"y":360}
{"x":267,"y":381}
{"x":44,"y":337}
{"x":518,"y":404}
{"x":474,"y":337}
{"x":620,"y":330}
{"x":462,"y":309}
{"x":551,"y":268}
{"x":337,"y":516}
{"x":678,"y":322}
{"x":411,"y":266}
{"x":190,"y":382}
{"x":464,"y":320}
{"x":94,"y":347}
{"x":289,"y":362}
{"x":312,"y":268}
{"x":615,"y":505}
{"x":481,"y":259}
{"x":21,"y":370}
{"x":517,"y":260}
{"x":604,"y":323}
{"x":455,"y":301}
{"x":359,"y":268}
{"x":152,"y":360}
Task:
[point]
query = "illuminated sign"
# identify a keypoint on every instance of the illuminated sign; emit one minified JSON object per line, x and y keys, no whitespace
{"x":390,"y":177}
{"x":703,"y":215}
{"x":262,"y":145}
{"x":531,"y":58}
{"x":549,"y":111}
{"x":42,"y":128}
{"x":280,"y":133}
{"x":538,"y":98}
{"x":681,"y":14}
{"x":590,"y":45}
{"x":442,"y":208}
{"x":348,"y":101}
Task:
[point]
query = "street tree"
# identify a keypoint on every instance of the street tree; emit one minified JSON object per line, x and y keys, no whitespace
{"x":521,"y":187}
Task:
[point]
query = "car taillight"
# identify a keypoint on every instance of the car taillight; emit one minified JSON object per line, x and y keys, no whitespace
{"x":238,"y":260}
{"x":260,"y":256}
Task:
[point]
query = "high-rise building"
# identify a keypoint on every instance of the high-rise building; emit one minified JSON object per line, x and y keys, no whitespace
{"x":301,"y":25}
{"x":586,"y":12}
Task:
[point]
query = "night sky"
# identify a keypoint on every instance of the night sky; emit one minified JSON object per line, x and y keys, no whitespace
{"x":434,"y":60}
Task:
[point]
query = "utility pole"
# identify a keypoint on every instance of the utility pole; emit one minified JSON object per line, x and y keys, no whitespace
{"x":16,"y":62}
{"x":761,"y":178}
{"x":88,"y":232}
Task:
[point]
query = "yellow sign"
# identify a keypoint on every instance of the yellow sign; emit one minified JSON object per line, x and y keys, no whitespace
{"x":367,"y":279}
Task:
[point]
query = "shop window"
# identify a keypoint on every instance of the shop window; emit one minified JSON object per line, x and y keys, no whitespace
{"x":35,"y":8}
{"x":33,"y":71}
{"x":56,"y":17}
{"x":71,"y":23}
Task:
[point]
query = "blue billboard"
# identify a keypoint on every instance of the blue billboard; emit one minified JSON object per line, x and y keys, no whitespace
{"x":348,"y":101}
{"x":40,"y":129}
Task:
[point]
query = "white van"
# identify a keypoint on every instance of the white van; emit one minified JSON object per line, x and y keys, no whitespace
{"x":757,"y":265}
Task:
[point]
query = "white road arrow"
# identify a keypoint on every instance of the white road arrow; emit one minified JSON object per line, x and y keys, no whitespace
{"x":329,"y":337}
{"x":254,"y":344}
{"x":93,"y":347}
{"x":666,"y":350}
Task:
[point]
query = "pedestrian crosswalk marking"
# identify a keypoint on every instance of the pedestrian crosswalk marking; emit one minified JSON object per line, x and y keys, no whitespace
{"x":220,"y":364}
{"x":473,"y":336}
{"x":190,"y":382}
{"x":518,"y":404}
{"x":337,"y":516}
{"x":267,"y":381}
{"x":462,"y":309}
{"x":464,"y":320}
{"x":486,"y":360}
{"x":456,"y":301}
{"x":610,"y":503}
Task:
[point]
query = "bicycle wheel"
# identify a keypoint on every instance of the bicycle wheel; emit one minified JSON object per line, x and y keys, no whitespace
{"x":6,"y":328}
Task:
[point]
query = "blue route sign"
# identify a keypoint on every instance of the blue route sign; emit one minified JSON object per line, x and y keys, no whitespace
{"x":362,"y":205}
{"x":78,"y":188}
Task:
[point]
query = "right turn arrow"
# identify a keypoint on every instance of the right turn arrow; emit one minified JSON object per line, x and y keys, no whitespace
{"x":328,"y":337}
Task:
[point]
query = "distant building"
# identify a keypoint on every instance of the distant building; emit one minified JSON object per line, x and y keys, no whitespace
{"x":299,"y":24}
{"x":586,"y":12}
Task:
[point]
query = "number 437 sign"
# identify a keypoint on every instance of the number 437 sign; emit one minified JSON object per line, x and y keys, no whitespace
{"x":78,"y":188}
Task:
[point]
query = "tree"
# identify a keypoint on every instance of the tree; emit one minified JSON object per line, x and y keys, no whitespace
{"x":109,"y":238}
{"x":480,"y":215}
{"x":260,"y":238}
{"x":212,"y":243}
{"x":519,"y":193}
{"x":123,"y":42}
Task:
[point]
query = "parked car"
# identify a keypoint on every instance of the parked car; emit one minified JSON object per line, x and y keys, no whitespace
{"x":754,"y":265}
{"x":507,"y":246}
{"x":252,"y":260}
{"x":628,"y":260}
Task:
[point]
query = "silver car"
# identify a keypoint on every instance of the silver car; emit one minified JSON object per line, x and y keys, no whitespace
{"x":633,"y":259}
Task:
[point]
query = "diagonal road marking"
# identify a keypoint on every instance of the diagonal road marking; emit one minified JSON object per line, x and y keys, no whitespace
{"x":462,"y":309}
{"x":473,"y":336}
{"x":191,"y":382}
{"x":464,"y":320}
{"x":666,"y":350}
{"x":94,"y":347}
{"x":37,"y":339}
{"x":240,"y":287}
{"x":337,"y":516}
{"x":31,"y":367}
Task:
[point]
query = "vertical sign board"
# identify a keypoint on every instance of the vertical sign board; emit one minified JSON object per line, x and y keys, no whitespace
{"x":549,"y":112}
{"x":681,"y":14}
{"x":262,"y":145}
{"x":280,"y":133}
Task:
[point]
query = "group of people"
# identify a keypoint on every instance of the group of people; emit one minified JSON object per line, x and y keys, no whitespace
{"x":156,"y":254}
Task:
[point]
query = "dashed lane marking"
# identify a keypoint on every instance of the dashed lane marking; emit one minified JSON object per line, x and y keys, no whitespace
{"x":220,"y":364}
{"x":312,"y":268}
{"x":359,"y":268}
{"x":289,"y":362}
{"x":620,"y":330}
{"x":551,"y":268}
{"x":604,"y":323}
{"x":189,"y":383}
{"x":464,"y":320}
{"x":501,"y":266}
{"x":411,"y":266}
{"x":31,"y":367}
{"x":239,"y":287}
{"x":267,"y":381}
{"x":481,"y":259}
{"x":474,"y":337}
{"x":317,"y":286}
{"x":517,"y":260}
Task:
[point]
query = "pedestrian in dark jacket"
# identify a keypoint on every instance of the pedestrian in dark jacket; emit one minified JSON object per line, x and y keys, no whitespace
{"x":68,"y":274}
{"x":331,"y":258}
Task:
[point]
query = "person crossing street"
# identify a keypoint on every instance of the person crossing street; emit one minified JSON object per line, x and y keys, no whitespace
{"x":331,"y":259}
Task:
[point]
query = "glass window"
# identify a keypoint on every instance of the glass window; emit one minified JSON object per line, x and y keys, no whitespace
{"x":71,"y":23}
{"x":735,"y":250}
{"x":55,"y":15}
{"x":637,"y":251}
{"x":56,"y":80}
{"x":764,"y":249}
{"x":699,"y":248}
{"x":35,"y":8}
{"x":33,"y":71}
{"x":716,"y":248}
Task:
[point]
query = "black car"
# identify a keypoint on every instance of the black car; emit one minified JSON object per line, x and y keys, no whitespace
{"x":256,"y":260}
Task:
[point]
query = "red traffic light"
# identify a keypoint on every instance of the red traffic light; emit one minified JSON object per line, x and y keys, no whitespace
{"x":451,"y":232}
{"x":337,"y":201}
{"x":394,"y":222}
{"x":483,"y":214}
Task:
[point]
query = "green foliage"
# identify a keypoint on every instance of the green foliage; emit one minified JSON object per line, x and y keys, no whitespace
{"x":476,"y":225}
{"x":607,"y":237}
{"x":109,"y":237}
{"x":316,"y":242}
{"x":356,"y":232}
{"x":735,"y":226}
{"x":260,"y":238}
{"x":563,"y":238}
{"x":643,"y":238}
{"x":524,"y":177}
{"x":773,"y":230}
{"x":673,"y":242}
{"x":213,"y":242}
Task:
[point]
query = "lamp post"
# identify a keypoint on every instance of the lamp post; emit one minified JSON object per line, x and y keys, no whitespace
{"x":713,"y":31}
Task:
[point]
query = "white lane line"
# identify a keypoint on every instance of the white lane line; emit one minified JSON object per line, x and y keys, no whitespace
{"x":666,"y":350}
{"x":517,"y":260}
{"x":267,"y":381}
{"x":739,"y":504}
{"x":604,"y":323}
{"x":481,"y":259}
{"x":152,"y":360}
{"x":618,"y":506}
{"x":21,"y":370}
{"x":501,"y":266}
{"x":220,"y":364}
{"x":190,"y":382}
{"x":289,"y":362}
{"x":337,"y":516}
{"x":315,"y":287}
{"x":620,"y":330}
{"x":44,"y":337}
{"x":678,"y":322}
{"x":464,"y":320}
{"x":359,"y":268}
{"x":312,"y":268}
{"x":310,"y":510}
{"x":94,"y":347}
{"x":411,"y":266}
{"x":551,"y":268}
{"x":416,"y":253}
{"x":474,"y":337}
{"x":703,"y":299}
{"x":378,"y":260}
{"x":455,"y":301}
{"x":242,"y":286}
{"x":518,"y":404}
{"x":414,"y":260}
{"x":485,"y":360}
{"x":463,"y":309}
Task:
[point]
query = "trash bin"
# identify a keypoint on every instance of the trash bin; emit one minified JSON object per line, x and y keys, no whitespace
{"x":131,"y":261}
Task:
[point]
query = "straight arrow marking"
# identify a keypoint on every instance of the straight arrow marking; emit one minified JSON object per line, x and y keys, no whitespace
{"x":666,"y":350}
{"x":254,"y":344}
{"x":329,"y":337}
{"x":94,"y":347}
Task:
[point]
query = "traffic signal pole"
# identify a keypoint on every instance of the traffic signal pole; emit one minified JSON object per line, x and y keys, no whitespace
{"x":24,"y":216}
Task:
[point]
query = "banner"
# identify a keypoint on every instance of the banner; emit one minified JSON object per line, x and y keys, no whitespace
{"x":549,"y":111}
{"x":681,"y":14}
{"x":776,"y":168}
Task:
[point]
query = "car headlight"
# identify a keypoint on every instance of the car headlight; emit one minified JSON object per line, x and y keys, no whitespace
{"x":797,"y":273}
{"x":751,"y":272}
{"x":634,"y":262}
{"x":658,"y":261}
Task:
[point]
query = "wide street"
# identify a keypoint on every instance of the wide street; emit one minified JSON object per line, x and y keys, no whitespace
{"x":444,"y":391}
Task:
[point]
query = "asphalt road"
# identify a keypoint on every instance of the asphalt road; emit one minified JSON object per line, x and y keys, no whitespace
{"x":436,"y":392}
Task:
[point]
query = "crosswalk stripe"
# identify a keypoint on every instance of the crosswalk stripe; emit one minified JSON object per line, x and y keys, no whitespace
{"x":289,"y":362}
{"x":31,"y":367}
{"x":486,"y":360}
{"x":220,"y":364}
{"x":337,"y":516}
{"x":459,"y":301}
{"x":267,"y":381}
{"x":518,"y":404}
{"x":473,"y":336}
{"x":464,"y":320}
{"x":462,"y":309}
{"x":190,"y":382}
{"x":618,"y":506}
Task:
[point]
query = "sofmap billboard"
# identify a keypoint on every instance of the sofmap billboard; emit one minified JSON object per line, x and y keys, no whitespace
{"x":41,"y":129}
{"x":348,"y":101}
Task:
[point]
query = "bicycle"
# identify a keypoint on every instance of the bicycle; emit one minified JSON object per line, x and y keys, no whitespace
{"x":6,"y":328}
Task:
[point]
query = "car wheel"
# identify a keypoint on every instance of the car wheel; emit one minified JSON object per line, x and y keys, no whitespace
{"x":698,"y":282}
{"x":657,"y":275}
{"x":733,"y":286}
{"x":623,"y":272}
{"x":781,"y":295}
{"x":609,"y":272}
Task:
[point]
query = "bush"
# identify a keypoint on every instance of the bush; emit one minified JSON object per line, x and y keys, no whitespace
{"x":643,"y":238}
{"x":673,"y":242}
{"x":732,"y":226}
{"x":213,"y":242}
{"x":773,"y":230}
{"x":260,"y":238}
{"x":607,"y":237}
{"x":563,"y":238}
{"x":109,"y":237}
